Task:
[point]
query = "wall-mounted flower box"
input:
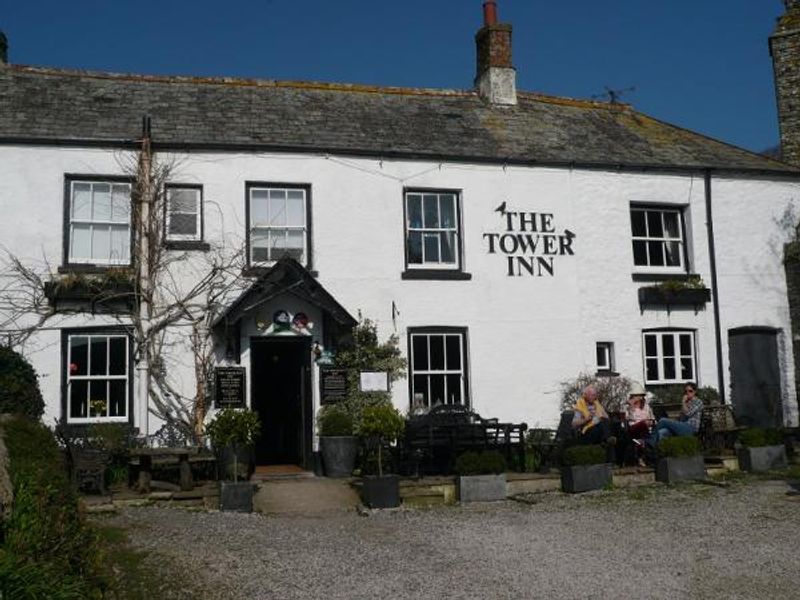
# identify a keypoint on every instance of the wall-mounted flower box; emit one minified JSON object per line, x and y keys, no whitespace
{"x":658,"y":295}
{"x":95,"y":293}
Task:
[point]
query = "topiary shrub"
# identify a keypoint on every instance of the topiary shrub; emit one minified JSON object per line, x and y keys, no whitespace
{"x":334,"y":420}
{"x":480,"y":463}
{"x":584,"y":455}
{"x":19,"y":386}
{"x":756,"y":437}
{"x":381,"y":424}
{"x":679,"y":447}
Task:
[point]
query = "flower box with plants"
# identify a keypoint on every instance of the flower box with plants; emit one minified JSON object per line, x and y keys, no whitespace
{"x":688,"y":292}
{"x":232,"y":433}
{"x":481,"y":476}
{"x":337,"y":441}
{"x":584,"y":469}
{"x":679,"y":459}
{"x":114,"y":285}
{"x":761,"y":449}
{"x":380,"y":425}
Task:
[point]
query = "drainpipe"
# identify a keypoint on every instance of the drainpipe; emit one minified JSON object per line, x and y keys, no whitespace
{"x":714,"y":288}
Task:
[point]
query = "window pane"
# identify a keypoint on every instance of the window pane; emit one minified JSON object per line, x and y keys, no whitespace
{"x":437,"y":389}
{"x":640,"y":253}
{"x":656,"y":253}
{"x":637,"y":223}
{"x":447,"y":203}
{"x":259,"y":241}
{"x":259,"y":207}
{"x":431,"y":241}
{"x":277,"y":208}
{"x":98,"y":349}
{"x":686,"y":344}
{"x":183,"y":201}
{"x":98,"y":398}
{"x":421,"y":387}
{"x":117,"y":399}
{"x":673,"y":254}
{"x":296,"y":209}
{"x":454,"y":389}
{"x":430,"y":206}
{"x":121,"y":203}
{"x":117,"y":356}
{"x":671,"y":225}
{"x":602,"y":356}
{"x":81,"y":201}
{"x":415,"y":247}
{"x":448,"y":246}
{"x":78,"y":405}
{"x":686,"y":369}
{"x":453,"y":350}
{"x":651,"y":366}
{"x":668,"y":345}
{"x":183,"y":224}
{"x":650,"y":345}
{"x":669,"y":368}
{"x":420,"y":351}
{"x":414,"y":203}
{"x":101,"y":242}
{"x":81,"y":244}
{"x":78,"y":355}
{"x":101,"y":202}
{"x":294,"y":245}
{"x":120,"y":243}
{"x":437,"y":352}
{"x":654,"y":228}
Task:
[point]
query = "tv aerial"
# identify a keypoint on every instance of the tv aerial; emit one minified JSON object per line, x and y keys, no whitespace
{"x":613,"y":96}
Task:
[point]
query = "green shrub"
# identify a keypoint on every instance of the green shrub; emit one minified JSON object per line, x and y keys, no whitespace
{"x":381,"y":424}
{"x":584,"y":455}
{"x":755,"y":437}
{"x":334,"y":420}
{"x":612,"y":392}
{"x":677,"y":447}
{"x":234,"y":427}
{"x":19,"y":386}
{"x":480,"y":463}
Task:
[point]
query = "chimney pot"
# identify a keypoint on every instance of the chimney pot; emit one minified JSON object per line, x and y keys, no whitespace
{"x":490,"y":12}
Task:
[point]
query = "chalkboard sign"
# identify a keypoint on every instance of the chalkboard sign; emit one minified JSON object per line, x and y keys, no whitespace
{"x":229,"y":387}
{"x":332,"y":384}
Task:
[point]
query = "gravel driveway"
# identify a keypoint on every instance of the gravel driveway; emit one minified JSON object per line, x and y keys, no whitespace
{"x":696,"y":541}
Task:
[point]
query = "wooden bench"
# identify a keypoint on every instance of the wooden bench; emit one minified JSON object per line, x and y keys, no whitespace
{"x":144,"y":457}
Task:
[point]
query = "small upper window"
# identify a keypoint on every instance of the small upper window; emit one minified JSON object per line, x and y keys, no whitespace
{"x":99,"y":223}
{"x":184,"y":213}
{"x":278,"y":223}
{"x":605,"y":356}
{"x":669,"y":356}
{"x":657,"y":235}
{"x":432,"y":230}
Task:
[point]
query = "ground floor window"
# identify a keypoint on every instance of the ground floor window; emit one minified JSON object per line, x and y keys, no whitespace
{"x":669,"y":356}
{"x":438,"y":366}
{"x":97,"y":377}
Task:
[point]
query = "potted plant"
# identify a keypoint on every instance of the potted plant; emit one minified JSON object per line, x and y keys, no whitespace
{"x":232,"y":432}
{"x":337,"y":443}
{"x":761,"y":449}
{"x":690,"y":292}
{"x":381,"y":424}
{"x":584,"y":469}
{"x":679,"y":459}
{"x":481,"y":476}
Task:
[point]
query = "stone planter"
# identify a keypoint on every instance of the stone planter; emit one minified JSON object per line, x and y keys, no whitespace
{"x":762,"y":458}
{"x":381,"y":492}
{"x":236,"y":496}
{"x":239,"y":469}
{"x":338,"y":455}
{"x":583,"y":478}
{"x":684,"y":468}
{"x":482,"y":488}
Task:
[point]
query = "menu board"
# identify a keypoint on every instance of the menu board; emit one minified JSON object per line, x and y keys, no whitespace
{"x":229,"y":387}
{"x":332,"y":384}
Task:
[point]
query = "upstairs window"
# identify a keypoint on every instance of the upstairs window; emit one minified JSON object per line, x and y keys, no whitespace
{"x":99,"y":230}
{"x":278,"y":223}
{"x":438,"y":373}
{"x":98,"y":376}
{"x":658,"y":241}
{"x":669,"y":356}
{"x":432,"y":230}
{"x":184,"y":213}
{"x":604,"y":352}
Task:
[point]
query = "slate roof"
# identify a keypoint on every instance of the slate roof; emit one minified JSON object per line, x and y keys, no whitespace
{"x":80,"y":107}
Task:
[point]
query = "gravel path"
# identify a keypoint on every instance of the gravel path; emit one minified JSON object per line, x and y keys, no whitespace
{"x":695,"y":541}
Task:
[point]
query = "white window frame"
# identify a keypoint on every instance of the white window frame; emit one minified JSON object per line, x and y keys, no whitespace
{"x":254,"y":228}
{"x":675,"y":334}
{"x":108,"y":378}
{"x":455,"y":229}
{"x":462,"y":372}
{"x":71,"y":259}
{"x":665,"y":239}
{"x":608,"y":350}
{"x":176,"y":237}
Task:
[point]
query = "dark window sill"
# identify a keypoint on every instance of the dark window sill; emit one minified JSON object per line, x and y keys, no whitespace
{"x":259,"y":271}
{"x":187,"y":245}
{"x":435,"y":274}
{"x":663,"y":276}
{"x":89,"y":269}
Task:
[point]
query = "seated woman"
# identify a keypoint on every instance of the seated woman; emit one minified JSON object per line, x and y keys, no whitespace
{"x":640,"y":419}
{"x":591,"y":421}
{"x":688,"y":423}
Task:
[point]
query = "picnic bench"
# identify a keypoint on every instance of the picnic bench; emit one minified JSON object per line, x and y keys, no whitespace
{"x":432,"y":441}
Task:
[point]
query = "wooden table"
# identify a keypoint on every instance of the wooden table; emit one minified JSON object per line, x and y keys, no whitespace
{"x":146,"y":456}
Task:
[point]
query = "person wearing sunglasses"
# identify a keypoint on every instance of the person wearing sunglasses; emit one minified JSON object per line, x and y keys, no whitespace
{"x":688,"y":423}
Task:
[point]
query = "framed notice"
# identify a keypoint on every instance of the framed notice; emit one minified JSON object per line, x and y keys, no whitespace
{"x":229,"y":387}
{"x":332,"y":385}
{"x":374,"y":381}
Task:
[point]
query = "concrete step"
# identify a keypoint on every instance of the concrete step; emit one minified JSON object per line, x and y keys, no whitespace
{"x":305,"y":495}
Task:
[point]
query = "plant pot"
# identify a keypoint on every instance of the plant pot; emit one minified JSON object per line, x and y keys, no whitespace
{"x":762,"y":458}
{"x":584,"y":478}
{"x":236,"y":496}
{"x":684,"y":468}
{"x":338,"y":455}
{"x":482,"y":488}
{"x":381,"y":492}
{"x":244,"y":463}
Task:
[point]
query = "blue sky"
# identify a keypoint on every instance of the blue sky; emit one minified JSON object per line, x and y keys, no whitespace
{"x":700,"y":64}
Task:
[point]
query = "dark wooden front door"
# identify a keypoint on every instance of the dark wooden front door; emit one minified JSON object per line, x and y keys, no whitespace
{"x":280,"y":388}
{"x":755,"y":377}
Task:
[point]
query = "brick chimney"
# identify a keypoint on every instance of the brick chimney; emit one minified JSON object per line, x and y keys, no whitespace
{"x":784,"y":47}
{"x":496,"y":79}
{"x":3,"y":48}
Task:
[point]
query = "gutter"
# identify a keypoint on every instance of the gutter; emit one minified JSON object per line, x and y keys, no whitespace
{"x":714,"y":288}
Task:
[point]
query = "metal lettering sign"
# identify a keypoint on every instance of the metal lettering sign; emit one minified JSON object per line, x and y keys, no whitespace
{"x":332,"y":384}
{"x":229,"y":387}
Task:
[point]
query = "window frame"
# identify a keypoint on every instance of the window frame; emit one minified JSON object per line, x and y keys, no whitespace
{"x":183,"y":241}
{"x":308,"y":245}
{"x":431,"y":270}
{"x":609,"y":351}
{"x":69,"y":180}
{"x":680,"y":210}
{"x":660,"y":333}
{"x":66,"y":378}
{"x":463,"y":333}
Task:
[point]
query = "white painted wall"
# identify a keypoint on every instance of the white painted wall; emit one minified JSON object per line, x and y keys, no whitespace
{"x":526,"y":334}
